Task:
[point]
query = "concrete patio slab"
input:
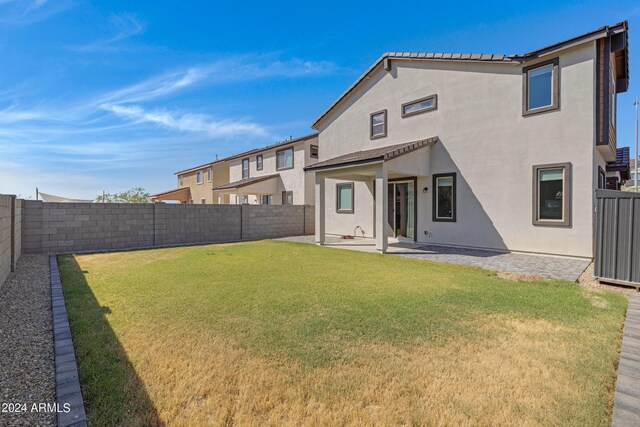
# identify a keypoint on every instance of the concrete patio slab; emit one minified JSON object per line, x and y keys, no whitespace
{"x":553,"y":267}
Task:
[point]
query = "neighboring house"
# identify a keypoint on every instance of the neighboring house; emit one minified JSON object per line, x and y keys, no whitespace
{"x":273,"y":174}
{"x":630,"y":184}
{"x":614,"y":176}
{"x":195,"y":185}
{"x":489,"y":151}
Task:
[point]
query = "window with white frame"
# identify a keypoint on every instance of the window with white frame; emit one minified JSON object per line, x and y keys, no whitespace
{"x":344,"y":197}
{"x":180,"y":180}
{"x":259,"y":162}
{"x":419,"y":106}
{"x":209,"y":175}
{"x":552,"y":194}
{"x":245,"y":168}
{"x":541,"y":87}
{"x":444,"y":197}
{"x":378,"y":124}
{"x":284,"y":159}
{"x":199,"y":177}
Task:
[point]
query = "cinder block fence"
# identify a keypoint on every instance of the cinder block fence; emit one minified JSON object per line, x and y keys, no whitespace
{"x":33,"y":227}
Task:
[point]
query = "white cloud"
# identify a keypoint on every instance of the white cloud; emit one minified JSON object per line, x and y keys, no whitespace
{"x":19,"y":12}
{"x":126,"y":25}
{"x":189,"y":122}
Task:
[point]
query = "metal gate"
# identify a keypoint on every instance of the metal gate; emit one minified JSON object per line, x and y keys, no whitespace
{"x":617,"y":257}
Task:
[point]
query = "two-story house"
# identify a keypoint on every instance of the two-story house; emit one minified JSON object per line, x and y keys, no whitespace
{"x":195,"y":185}
{"x":474,"y":150}
{"x":273,"y":174}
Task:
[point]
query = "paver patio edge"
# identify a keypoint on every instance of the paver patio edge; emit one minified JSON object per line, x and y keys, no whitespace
{"x":67,"y":379}
{"x":626,"y":406}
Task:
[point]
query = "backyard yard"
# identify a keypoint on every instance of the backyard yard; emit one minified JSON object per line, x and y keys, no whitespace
{"x":287,"y":333}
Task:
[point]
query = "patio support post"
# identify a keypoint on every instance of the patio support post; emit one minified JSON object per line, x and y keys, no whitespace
{"x":381,"y":218}
{"x":320,"y":209}
{"x":239,"y":196}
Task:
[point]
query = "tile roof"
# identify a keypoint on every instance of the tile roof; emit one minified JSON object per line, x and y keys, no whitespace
{"x":373,"y":155}
{"x":246,"y":181}
{"x":272,"y":146}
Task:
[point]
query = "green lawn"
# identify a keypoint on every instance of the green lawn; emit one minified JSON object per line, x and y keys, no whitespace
{"x":284,"y":333}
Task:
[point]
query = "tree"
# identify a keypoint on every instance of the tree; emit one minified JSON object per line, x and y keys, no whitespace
{"x":135,"y":195}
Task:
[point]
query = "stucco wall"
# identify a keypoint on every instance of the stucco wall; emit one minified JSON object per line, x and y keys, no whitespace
{"x":485,"y":139}
{"x":293,"y":179}
{"x":88,"y":227}
{"x":220,"y":176}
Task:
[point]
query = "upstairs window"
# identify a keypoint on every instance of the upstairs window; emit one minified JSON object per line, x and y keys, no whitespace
{"x":378,"y":124}
{"x":199,"y":177}
{"x":209,"y":175}
{"x":259,"y":160}
{"x":444,"y":197}
{"x":541,"y":87}
{"x":419,"y":106}
{"x":245,"y":168}
{"x":180,"y":181}
{"x":284,"y":159}
{"x":552,"y":194}
{"x":313,"y":152}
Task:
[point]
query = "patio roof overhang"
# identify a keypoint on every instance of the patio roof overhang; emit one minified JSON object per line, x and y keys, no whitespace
{"x":371,"y":156}
{"x":257,"y":185}
{"x":181,"y":194}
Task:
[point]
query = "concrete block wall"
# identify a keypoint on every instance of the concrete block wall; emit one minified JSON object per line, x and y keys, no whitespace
{"x":10,"y":234}
{"x":86,"y":227}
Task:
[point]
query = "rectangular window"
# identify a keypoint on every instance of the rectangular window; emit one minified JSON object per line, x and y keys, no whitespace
{"x":420,"y":106}
{"x":284,"y":159}
{"x":287,"y":197}
{"x":199,"y":177}
{"x":344,"y":197}
{"x":602,"y":178}
{"x":209,"y":175}
{"x":259,"y":160}
{"x":266,"y":199}
{"x":245,"y":168}
{"x":378,"y":124}
{"x":202,"y":201}
{"x":552,"y":194}
{"x":313,"y":152}
{"x":245,"y":200}
{"x":444,"y":197}
{"x":180,"y":181}
{"x":541,"y":91}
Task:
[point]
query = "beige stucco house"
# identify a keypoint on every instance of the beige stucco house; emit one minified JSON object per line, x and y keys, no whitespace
{"x":272,"y":175}
{"x":483,"y":151}
{"x":195,"y":185}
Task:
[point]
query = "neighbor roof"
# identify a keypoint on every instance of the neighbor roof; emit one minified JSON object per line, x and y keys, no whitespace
{"x":479,"y":57}
{"x":198,"y":167}
{"x":272,"y":146}
{"x":176,"y":191}
{"x":245,"y":182}
{"x":372,"y":155}
{"x":622,"y":163}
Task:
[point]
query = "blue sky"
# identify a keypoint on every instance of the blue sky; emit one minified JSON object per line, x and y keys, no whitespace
{"x":117,"y":94}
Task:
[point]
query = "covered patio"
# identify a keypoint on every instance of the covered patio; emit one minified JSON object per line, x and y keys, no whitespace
{"x":249,"y":190}
{"x":181,"y":195}
{"x":387,"y":180}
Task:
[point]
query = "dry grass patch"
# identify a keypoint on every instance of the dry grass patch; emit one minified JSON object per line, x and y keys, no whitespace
{"x":231,"y":334}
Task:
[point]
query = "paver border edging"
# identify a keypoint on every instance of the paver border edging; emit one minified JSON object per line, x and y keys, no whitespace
{"x":67,"y":379}
{"x":626,"y":404}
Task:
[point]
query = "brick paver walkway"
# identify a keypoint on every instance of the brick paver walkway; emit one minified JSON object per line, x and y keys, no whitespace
{"x":626,"y":406}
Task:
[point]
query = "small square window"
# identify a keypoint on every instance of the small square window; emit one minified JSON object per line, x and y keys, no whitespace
{"x":313,"y":152}
{"x":287,"y":197}
{"x":284,"y":159}
{"x":199,"y":177}
{"x":245,"y":168}
{"x":344,"y":197}
{"x":259,"y":160}
{"x":444,"y":197}
{"x":541,"y":90}
{"x":378,"y":124}
{"x":552,"y":194}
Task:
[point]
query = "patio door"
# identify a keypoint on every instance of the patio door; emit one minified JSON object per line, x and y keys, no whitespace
{"x":402,"y":209}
